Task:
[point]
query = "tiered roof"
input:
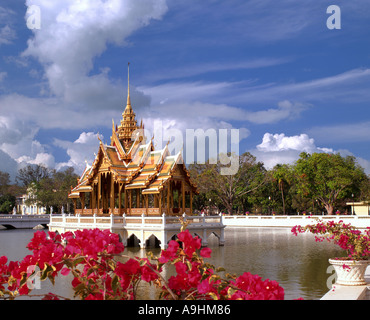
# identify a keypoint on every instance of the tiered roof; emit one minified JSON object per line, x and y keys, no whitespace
{"x":131,"y":160}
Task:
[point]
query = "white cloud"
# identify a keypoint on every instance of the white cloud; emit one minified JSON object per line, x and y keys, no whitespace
{"x":11,"y":130}
{"x":280,"y":142}
{"x":42,"y":158}
{"x":9,"y":165}
{"x":3,"y":75}
{"x":348,"y":132}
{"x":350,"y":86}
{"x":52,"y":113}
{"x":19,"y":143}
{"x":286,"y":110}
{"x":188,"y":100}
{"x":197,"y":69}
{"x":79,"y":151}
{"x":73,"y":33}
{"x":279,"y":148}
{"x":7,"y":34}
{"x":18,"y":146}
{"x":172,"y":118}
{"x":171,"y":92}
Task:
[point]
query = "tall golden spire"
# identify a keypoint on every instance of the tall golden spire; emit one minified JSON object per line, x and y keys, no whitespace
{"x":128,"y":122}
{"x":128,"y":85}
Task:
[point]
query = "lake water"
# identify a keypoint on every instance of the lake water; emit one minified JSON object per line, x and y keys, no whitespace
{"x":299,"y":264}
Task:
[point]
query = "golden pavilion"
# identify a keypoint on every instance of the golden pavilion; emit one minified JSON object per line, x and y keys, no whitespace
{"x":130,"y":177}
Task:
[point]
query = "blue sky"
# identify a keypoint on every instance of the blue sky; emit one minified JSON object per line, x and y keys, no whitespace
{"x":272,"y":69}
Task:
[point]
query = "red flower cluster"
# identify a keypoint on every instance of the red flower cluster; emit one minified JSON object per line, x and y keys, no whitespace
{"x":89,"y":255}
{"x":254,"y":288}
{"x":198,"y":280}
{"x":347,"y":237}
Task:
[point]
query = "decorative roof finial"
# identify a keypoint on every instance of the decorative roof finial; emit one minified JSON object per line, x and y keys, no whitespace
{"x":128,"y":85}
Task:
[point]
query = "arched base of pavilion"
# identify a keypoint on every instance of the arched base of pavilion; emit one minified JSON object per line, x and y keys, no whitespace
{"x":144,"y":231}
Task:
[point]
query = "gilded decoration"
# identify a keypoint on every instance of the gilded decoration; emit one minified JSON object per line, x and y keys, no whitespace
{"x":129,"y":176}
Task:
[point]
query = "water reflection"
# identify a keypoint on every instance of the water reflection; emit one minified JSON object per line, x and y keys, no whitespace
{"x":299,"y":264}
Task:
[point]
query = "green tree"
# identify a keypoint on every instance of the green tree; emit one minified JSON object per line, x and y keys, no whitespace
{"x":282,"y":175}
{"x":7,"y":203}
{"x":228,"y":189}
{"x":327,"y":177}
{"x":53,"y":190}
{"x":364,"y":192}
{"x":4,"y":183}
{"x":32,"y":174}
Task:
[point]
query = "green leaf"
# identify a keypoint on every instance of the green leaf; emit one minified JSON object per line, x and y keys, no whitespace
{"x":111,"y":264}
{"x":68,"y":263}
{"x":188,"y":263}
{"x":78,"y":261}
{"x":214,"y":277}
{"x":23,"y":280}
{"x":79,"y":288}
{"x":231,"y":291}
{"x":213,"y":295}
{"x":52,"y":279}
{"x":45,"y":272}
{"x":142,"y":263}
{"x":115,"y":283}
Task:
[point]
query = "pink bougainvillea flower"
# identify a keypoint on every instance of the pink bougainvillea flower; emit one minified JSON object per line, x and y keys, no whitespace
{"x":170,"y":253}
{"x":206,"y":252}
{"x":65,"y":271}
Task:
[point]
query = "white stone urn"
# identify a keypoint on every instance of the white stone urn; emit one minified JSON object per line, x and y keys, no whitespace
{"x":350,"y":272}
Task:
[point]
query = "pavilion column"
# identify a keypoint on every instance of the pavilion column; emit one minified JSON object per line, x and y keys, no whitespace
{"x":106,"y":193}
{"x":92,"y":199}
{"x":126,"y":202}
{"x":168,"y":198}
{"x":75,"y":204}
{"x":96,"y":198}
{"x":130,"y":200}
{"x":99,"y":192}
{"x":155,"y":201}
{"x":82,"y":198}
{"x":146,"y":204}
{"x":183,"y":195}
{"x":160,"y":202}
{"x":112,"y":194}
{"x":137,"y":198}
{"x":120,"y":198}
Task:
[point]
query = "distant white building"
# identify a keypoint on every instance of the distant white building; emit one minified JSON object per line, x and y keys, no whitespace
{"x":31,"y":208}
{"x":360,"y":208}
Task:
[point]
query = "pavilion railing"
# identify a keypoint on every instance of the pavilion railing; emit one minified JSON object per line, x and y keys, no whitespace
{"x":113,"y":221}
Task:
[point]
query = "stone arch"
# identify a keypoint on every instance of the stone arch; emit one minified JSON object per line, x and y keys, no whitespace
{"x":213,"y":234}
{"x":133,"y":241}
{"x":152,"y":242}
{"x":172,"y":235}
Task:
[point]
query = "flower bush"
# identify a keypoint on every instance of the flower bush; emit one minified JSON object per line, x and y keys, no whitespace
{"x":91,"y":257}
{"x":353,"y":241}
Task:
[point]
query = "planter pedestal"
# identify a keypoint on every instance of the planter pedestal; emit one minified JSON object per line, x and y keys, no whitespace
{"x":353,"y":272}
